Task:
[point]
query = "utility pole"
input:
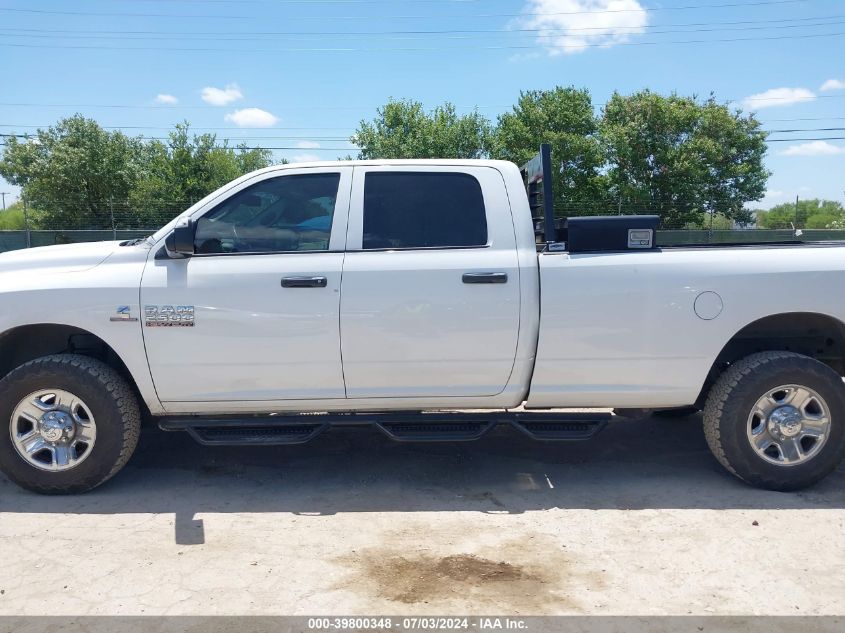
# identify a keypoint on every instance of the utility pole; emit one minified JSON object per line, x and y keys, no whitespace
{"x":4,"y":194}
{"x":26,"y":224}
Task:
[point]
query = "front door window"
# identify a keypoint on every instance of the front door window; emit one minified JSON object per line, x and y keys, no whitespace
{"x":277,"y":215}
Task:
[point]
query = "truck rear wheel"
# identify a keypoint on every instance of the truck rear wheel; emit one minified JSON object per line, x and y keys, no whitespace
{"x":777,"y":420}
{"x":73,"y":422}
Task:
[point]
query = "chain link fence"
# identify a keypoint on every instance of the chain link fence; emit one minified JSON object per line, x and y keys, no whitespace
{"x":104,"y":221}
{"x":14,"y":240}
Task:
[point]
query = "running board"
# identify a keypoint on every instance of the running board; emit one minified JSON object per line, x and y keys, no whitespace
{"x":263,"y":435}
{"x":435,"y":431}
{"x":581,"y":427}
{"x":276,"y":430}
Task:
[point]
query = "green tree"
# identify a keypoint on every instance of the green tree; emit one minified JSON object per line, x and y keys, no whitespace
{"x":403,"y":129}
{"x":809,"y":214}
{"x":682,"y":158}
{"x":72,"y":170}
{"x":564,"y":118}
{"x":80,"y":176}
{"x":175,"y":174}
{"x":12,"y":219}
{"x":719,"y":223}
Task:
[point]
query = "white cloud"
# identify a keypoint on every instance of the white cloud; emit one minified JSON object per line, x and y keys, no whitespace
{"x":166,"y":99}
{"x":773,"y":194}
{"x":307,"y":145}
{"x":833,"y":84}
{"x":252,"y":117}
{"x":777,"y":97}
{"x":814,"y":148}
{"x":305,"y":158}
{"x":572,"y":26}
{"x":221,"y":96}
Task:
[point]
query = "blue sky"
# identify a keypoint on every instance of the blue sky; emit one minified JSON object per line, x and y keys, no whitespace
{"x":302,"y":73}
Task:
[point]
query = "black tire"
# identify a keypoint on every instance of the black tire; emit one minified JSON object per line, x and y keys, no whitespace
{"x":111,"y":401}
{"x":732,"y":399}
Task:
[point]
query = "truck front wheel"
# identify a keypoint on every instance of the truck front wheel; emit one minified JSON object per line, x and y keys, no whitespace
{"x":73,"y":422}
{"x":777,"y":420}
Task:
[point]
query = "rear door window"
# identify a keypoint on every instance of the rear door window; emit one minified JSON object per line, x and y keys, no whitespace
{"x":423,"y":210}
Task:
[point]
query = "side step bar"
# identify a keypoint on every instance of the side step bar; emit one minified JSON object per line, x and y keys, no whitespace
{"x":279,"y":430}
{"x":255,"y":435}
{"x":561,"y":427}
{"x":435,"y":431}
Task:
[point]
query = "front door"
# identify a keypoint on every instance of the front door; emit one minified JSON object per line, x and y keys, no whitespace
{"x":430,"y":293}
{"x":253,"y":316}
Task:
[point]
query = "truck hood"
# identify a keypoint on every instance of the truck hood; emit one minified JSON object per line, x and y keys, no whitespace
{"x":63,"y":258}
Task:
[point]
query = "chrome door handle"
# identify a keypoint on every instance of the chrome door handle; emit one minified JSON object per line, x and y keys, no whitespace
{"x":304,"y":282}
{"x":485,"y":278}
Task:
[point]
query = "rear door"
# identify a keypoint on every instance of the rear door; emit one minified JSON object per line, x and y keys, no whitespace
{"x":430,"y":291}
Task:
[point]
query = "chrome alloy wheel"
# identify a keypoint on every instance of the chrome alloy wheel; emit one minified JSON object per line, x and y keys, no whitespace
{"x":53,"y":430}
{"x":789,"y":425}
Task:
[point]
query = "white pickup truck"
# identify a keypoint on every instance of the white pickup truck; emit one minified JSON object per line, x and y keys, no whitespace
{"x":411,"y":295}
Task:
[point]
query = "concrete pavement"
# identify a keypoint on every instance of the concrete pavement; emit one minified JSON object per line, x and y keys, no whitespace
{"x":639,"y":521}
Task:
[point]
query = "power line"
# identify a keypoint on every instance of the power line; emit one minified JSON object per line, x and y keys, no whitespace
{"x":286,"y":148}
{"x":823,"y":118}
{"x":409,"y":49}
{"x":316,"y":2}
{"x":348,"y":129}
{"x":191,"y":107}
{"x":192,"y":128}
{"x":806,"y":129}
{"x":346,"y":138}
{"x":354,"y":148}
{"x":401,"y":17}
{"x":311,"y":2}
{"x":357,"y":107}
{"x":219,"y":1}
{"x":307,"y":1}
{"x":251,"y":138}
{"x":540,"y":34}
{"x":820,"y":138}
{"x":182,"y":34}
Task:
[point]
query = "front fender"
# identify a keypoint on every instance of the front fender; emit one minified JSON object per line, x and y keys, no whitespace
{"x":102,"y":299}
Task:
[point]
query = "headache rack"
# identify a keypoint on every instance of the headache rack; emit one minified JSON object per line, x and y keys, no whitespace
{"x":583,"y":234}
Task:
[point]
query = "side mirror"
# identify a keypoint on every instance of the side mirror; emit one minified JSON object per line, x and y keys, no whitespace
{"x":181,"y":241}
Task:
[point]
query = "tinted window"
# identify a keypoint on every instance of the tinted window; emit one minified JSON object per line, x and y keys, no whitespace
{"x":288,"y":213}
{"x":418,"y":210}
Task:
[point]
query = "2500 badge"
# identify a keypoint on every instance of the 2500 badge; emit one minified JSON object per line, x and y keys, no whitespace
{"x":169,"y":316}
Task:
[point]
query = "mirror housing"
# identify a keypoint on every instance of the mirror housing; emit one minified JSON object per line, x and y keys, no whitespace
{"x":180,"y":242}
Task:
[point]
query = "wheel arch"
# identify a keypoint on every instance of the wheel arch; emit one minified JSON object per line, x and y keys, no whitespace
{"x":24,"y":343}
{"x":814,"y":334}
